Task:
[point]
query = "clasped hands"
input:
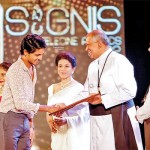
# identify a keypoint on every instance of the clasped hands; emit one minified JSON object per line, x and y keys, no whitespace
{"x":56,"y":120}
{"x":56,"y":107}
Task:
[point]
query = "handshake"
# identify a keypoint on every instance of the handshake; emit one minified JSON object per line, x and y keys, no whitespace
{"x":59,"y":108}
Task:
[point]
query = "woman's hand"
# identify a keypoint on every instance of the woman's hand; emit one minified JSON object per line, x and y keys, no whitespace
{"x":51,"y":123}
{"x":60,"y":121}
{"x":54,"y":127}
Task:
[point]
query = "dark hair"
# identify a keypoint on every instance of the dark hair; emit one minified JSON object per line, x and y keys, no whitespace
{"x":68,"y":56}
{"x":32,"y":42}
{"x":5,"y":65}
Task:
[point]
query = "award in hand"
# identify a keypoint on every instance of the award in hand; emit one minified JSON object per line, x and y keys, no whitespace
{"x":93,"y":99}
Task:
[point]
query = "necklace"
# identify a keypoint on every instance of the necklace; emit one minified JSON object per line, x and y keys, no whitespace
{"x":65,"y":84}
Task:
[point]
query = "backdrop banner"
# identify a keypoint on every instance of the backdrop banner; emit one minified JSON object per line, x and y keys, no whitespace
{"x":63,"y":24}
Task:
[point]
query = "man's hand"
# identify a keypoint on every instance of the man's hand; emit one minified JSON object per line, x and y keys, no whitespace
{"x":31,"y":131}
{"x":96,"y":100}
{"x":55,"y":107}
{"x":60,"y":105}
{"x":31,"y":136}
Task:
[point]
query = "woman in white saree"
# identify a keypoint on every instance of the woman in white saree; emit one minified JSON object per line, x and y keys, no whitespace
{"x":71,"y":130}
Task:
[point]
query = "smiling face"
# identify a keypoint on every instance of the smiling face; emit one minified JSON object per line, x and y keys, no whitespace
{"x":93,"y":48}
{"x":33,"y":58}
{"x":65,"y":69}
{"x":2,"y":76}
{"x":97,"y":43}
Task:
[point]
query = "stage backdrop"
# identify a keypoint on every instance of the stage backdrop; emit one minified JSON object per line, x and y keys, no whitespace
{"x":63,"y":24}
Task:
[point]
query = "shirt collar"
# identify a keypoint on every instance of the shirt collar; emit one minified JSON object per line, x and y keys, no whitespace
{"x":22,"y":64}
{"x":104,"y":55}
{"x":25,"y":68}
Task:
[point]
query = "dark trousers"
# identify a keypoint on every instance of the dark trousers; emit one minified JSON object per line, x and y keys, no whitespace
{"x":16,"y":131}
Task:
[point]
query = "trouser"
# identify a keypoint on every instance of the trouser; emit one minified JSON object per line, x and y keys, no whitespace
{"x":1,"y":131}
{"x":16,"y":131}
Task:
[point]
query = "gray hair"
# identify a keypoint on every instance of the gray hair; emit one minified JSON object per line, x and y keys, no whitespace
{"x":99,"y":35}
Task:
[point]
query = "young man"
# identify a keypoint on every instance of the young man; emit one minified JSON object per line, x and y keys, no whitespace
{"x":17,"y":105}
{"x":113,"y":123}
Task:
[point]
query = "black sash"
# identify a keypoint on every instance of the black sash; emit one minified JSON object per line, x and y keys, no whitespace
{"x":98,"y":110}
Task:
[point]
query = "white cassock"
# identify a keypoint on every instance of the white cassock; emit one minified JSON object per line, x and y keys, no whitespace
{"x":117,"y":86}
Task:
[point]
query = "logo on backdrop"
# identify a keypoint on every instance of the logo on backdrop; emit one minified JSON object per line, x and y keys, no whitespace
{"x":61,"y":30}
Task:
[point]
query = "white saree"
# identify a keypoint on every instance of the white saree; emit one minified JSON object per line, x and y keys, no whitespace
{"x":76,"y":134}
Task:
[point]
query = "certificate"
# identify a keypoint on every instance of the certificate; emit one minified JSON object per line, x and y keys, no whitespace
{"x":88,"y":99}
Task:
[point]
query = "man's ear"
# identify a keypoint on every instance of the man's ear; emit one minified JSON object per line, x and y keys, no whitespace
{"x":99,"y":44}
{"x":25,"y":52}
